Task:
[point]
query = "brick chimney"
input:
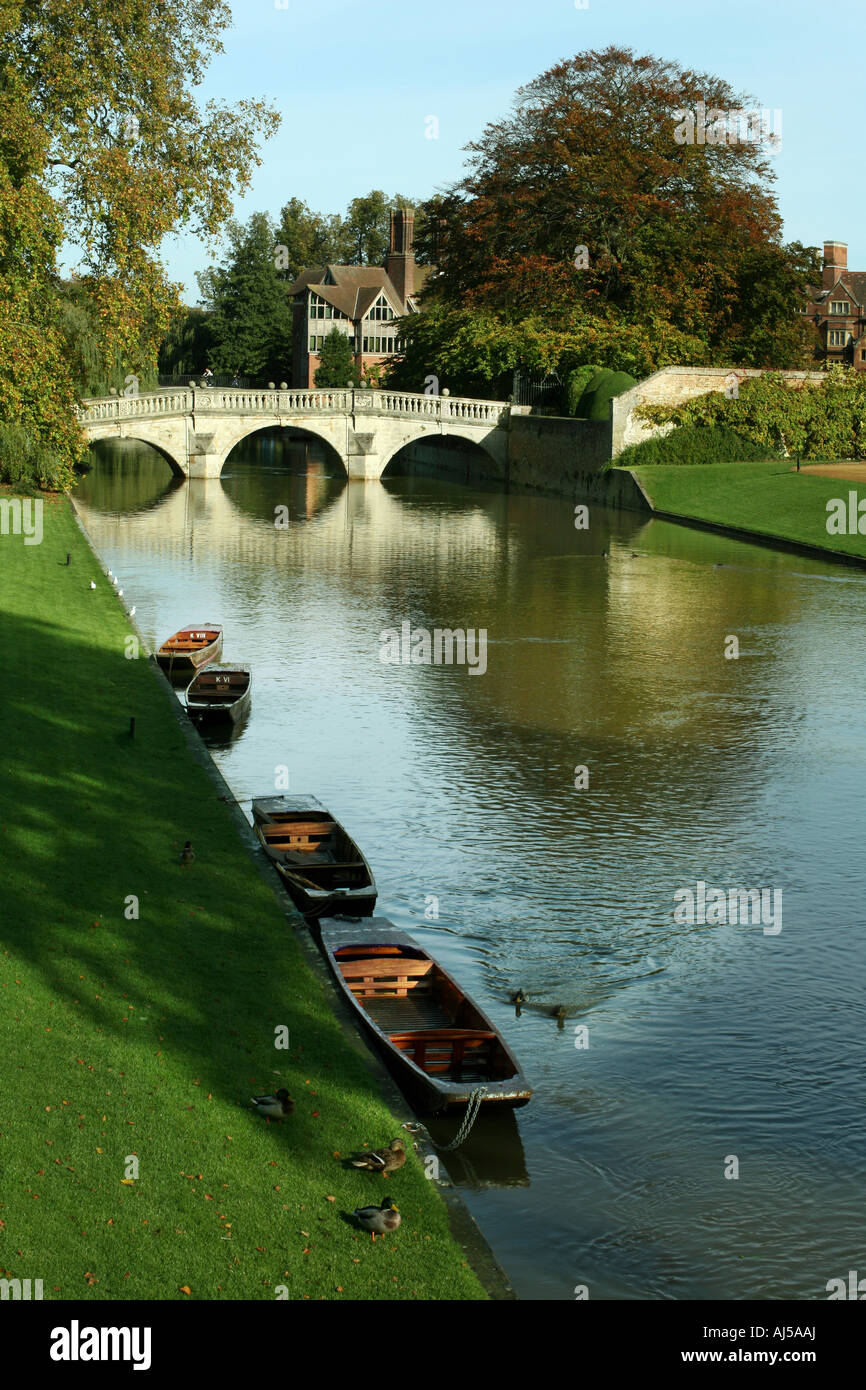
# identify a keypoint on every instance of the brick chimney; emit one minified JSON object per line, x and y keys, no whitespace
{"x":400,"y":262}
{"x":835,"y":263}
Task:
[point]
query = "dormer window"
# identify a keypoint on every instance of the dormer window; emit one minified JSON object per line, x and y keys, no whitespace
{"x":381,"y":309}
{"x":840,"y":306}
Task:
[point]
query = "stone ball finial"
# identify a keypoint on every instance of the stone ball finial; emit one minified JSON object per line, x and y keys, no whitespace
{"x":284,"y":386}
{"x":271,"y":386}
{"x":445,"y":391}
{"x":112,"y":390}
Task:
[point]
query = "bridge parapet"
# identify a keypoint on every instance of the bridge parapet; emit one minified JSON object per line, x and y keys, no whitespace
{"x":188,"y":400}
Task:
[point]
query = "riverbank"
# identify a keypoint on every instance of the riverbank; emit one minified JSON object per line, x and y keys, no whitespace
{"x":142,"y":999}
{"x":767,"y":501}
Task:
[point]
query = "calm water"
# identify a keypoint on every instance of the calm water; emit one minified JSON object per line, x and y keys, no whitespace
{"x":704,"y":1042}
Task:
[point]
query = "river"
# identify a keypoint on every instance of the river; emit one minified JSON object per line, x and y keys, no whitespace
{"x":697,"y":1124}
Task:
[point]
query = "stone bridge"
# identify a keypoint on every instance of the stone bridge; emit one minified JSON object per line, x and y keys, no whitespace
{"x":196,"y":429}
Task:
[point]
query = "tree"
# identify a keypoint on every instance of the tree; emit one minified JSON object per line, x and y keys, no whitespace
{"x":585,"y":199}
{"x":306,"y":238}
{"x":365,"y":230}
{"x":115,"y":153}
{"x":337,"y":364}
{"x":36,"y":391}
{"x":250,"y":323}
{"x":188,"y":343}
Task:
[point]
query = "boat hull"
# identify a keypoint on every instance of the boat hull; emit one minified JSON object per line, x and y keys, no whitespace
{"x":180,"y":664}
{"x":323,"y":870}
{"x":204,"y":710}
{"x":477,"y":1049}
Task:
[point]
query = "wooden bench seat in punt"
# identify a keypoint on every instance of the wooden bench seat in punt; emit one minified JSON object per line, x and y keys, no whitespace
{"x":281,"y":829}
{"x":443,"y":1049}
{"x":386,"y":976}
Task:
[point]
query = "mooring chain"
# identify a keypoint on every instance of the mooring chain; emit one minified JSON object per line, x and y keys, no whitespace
{"x":469,"y":1119}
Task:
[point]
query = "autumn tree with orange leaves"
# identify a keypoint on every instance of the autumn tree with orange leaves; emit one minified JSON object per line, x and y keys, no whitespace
{"x":583,"y":214}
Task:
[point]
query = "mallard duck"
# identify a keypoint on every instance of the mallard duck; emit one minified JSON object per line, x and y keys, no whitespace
{"x":559,"y":1014}
{"x":379,"y":1220}
{"x":383,"y":1161}
{"x":187,"y":854}
{"x":518,"y":997}
{"x":274,"y":1107}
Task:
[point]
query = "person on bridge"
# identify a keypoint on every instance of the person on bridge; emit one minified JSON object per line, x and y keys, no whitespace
{"x":207,"y":376}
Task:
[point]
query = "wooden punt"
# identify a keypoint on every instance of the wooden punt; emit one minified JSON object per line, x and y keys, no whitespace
{"x":319,"y":863}
{"x":187,"y":650}
{"x":219,"y":693}
{"x":439,"y":1043}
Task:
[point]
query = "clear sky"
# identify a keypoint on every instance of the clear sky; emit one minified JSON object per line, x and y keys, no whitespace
{"x":355,"y":80}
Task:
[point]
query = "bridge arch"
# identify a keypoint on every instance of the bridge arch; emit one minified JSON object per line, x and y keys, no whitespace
{"x":444,"y":438}
{"x":322,"y":432}
{"x":143,"y":433}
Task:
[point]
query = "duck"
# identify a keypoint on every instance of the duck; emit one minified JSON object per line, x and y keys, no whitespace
{"x":187,"y":854}
{"x":383,"y":1161}
{"x":379,"y":1220}
{"x":274,"y":1107}
{"x":560,"y":1015}
{"x":518,"y":998}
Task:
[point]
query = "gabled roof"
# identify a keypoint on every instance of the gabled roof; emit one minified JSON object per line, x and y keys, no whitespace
{"x":354,"y":290}
{"x":852,"y":285}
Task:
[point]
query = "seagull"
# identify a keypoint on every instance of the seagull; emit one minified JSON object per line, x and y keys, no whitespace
{"x":120,"y":593}
{"x":92,"y":585}
{"x":132,"y":611}
{"x":110,"y":575}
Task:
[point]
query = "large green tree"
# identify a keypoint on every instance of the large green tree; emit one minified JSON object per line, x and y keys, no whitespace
{"x":250,"y":323}
{"x":36,"y":389}
{"x":306,"y":238}
{"x":586,"y":200}
{"x":115,"y":153}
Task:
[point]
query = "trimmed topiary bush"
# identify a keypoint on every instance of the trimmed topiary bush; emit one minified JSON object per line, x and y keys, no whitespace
{"x":694,"y":444}
{"x":575,"y":384}
{"x":598,"y":396}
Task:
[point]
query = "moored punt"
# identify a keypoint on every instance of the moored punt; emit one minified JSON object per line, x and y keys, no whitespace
{"x":219,"y":693}
{"x":441,"y":1046}
{"x":187,"y":650}
{"x":320,"y":864}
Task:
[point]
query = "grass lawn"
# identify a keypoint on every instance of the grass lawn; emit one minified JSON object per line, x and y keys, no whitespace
{"x":146,"y":1038}
{"x":768,"y":498}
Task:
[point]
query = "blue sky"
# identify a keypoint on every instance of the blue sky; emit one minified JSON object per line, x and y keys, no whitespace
{"x":355,"y":80}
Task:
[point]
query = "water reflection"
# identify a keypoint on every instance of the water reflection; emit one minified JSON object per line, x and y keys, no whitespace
{"x":462,"y":790}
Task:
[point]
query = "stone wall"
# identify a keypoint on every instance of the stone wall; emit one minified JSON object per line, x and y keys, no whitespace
{"x":549,"y":453}
{"x":672,"y":386}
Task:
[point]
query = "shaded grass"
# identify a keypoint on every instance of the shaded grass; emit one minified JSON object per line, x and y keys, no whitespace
{"x":769,"y":498}
{"x":145,"y":1038}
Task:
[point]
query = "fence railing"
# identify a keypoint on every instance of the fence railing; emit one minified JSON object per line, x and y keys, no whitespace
{"x":235,"y":400}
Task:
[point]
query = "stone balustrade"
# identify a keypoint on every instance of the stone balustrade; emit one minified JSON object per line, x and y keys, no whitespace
{"x":188,"y":400}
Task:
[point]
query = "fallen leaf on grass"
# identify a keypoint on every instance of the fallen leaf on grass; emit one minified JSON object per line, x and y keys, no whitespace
{"x":185,"y":1288}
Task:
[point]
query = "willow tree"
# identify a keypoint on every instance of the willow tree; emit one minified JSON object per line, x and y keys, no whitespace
{"x":120,"y":152}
